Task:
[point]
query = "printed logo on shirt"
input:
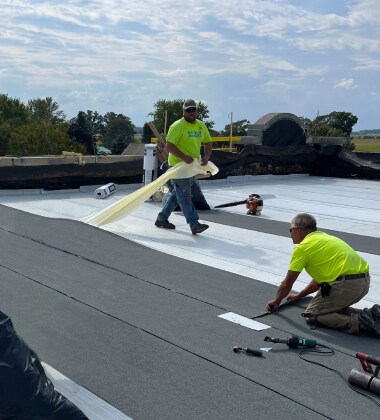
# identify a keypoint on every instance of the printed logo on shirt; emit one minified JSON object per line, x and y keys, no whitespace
{"x":194,"y":134}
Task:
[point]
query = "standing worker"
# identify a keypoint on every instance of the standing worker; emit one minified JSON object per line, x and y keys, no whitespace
{"x":339,"y":276}
{"x":184,"y":142}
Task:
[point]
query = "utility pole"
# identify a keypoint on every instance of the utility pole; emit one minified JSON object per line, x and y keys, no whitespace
{"x":165,"y":123}
{"x":230,"y":115}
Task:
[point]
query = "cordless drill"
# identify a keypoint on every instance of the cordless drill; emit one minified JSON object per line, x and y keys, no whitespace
{"x":293,"y":342}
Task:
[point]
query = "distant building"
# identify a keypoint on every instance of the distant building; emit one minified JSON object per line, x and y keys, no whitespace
{"x":134,"y":149}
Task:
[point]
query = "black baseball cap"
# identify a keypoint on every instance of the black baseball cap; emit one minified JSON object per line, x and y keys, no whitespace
{"x":189,"y":103}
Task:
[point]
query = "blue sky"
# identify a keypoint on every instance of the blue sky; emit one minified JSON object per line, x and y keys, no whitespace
{"x":247,"y":57}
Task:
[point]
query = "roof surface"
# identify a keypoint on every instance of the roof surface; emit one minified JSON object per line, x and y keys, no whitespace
{"x":132,"y":313}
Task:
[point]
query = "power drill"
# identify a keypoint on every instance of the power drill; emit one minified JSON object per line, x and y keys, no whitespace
{"x":293,"y":342}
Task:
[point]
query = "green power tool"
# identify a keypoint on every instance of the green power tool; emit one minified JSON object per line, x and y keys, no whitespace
{"x":293,"y":342}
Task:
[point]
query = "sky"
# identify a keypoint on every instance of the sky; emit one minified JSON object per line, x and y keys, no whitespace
{"x":242,"y":58}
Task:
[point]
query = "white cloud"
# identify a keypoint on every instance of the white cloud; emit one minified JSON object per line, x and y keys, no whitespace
{"x":346,"y":84}
{"x":367,"y":63}
{"x":129,"y":46}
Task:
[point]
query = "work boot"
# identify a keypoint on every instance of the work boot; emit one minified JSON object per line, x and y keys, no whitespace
{"x":366,"y":322}
{"x":165,"y":224}
{"x":199,"y":228}
{"x":375,"y":310}
{"x":312,"y":320}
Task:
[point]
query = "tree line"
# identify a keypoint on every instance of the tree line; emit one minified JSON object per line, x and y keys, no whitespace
{"x":335,"y":124}
{"x":40,"y":127}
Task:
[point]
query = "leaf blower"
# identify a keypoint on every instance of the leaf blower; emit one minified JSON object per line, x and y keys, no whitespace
{"x":254,"y":204}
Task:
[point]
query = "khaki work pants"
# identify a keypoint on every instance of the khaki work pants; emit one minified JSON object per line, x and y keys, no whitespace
{"x":334,"y":311}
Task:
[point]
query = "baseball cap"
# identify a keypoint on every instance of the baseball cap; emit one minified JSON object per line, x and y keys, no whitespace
{"x":189,"y":103}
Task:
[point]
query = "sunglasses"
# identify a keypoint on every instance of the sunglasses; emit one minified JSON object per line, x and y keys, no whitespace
{"x":295,"y":228}
{"x":191,"y":110}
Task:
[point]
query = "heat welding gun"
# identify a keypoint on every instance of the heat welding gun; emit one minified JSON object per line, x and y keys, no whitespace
{"x":293,"y":342}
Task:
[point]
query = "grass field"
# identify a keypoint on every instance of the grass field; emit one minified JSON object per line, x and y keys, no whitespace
{"x":366,"y":145}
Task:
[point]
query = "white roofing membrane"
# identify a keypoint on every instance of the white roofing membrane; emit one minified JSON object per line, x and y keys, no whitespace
{"x":346,"y":205}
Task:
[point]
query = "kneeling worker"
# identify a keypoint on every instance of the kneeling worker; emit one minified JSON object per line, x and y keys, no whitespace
{"x":339,"y":276}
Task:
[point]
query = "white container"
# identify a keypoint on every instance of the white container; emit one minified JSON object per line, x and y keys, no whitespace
{"x":105,"y":190}
{"x":150,"y":163}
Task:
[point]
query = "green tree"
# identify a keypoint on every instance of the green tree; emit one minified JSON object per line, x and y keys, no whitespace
{"x":46,"y":111}
{"x":335,"y":124}
{"x":147,"y":134}
{"x":214,"y":133}
{"x":35,"y":139}
{"x":174,"y":110}
{"x":119,"y":144}
{"x":343,"y":121}
{"x":80,"y":130}
{"x":239,"y":128}
{"x":306,"y":122}
{"x":118,"y":133}
{"x":13,"y":114}
{"x":95,"y":122}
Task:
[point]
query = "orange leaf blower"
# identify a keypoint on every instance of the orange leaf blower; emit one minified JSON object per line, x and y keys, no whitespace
{"x":254,"y":204}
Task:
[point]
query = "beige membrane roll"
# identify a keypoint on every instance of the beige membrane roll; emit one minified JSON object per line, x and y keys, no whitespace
{"x":130,"y":203}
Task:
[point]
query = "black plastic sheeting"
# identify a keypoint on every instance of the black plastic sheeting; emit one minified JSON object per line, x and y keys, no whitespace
{"x":284,"y":133}
{"x":283,"y":151}
{"x":336,"y":161}
{"x":264,"y":159}
{"x":59,"y":177}
{"x":25,"y":390}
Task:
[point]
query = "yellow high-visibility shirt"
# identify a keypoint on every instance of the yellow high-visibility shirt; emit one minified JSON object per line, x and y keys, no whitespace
{"x":188,"y":138}
{"x":326,"y":257}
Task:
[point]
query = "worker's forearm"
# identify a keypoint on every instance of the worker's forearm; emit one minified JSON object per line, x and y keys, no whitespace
{"x":207,"y":149}
{"x":312,"y":287}
{"x":283,"y":290}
